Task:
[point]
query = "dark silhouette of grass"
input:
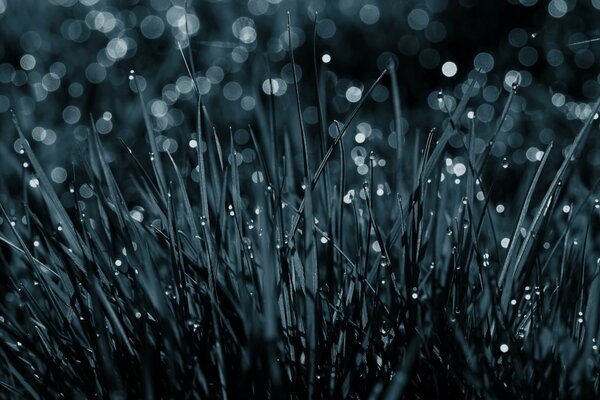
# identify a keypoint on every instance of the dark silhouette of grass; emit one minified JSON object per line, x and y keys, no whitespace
{"x":294,"y":287}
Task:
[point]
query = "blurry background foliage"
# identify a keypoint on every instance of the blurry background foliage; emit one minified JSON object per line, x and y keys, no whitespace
{"x":64,"y":60}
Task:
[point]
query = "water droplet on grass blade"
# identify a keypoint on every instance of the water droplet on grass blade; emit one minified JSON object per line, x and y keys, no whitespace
{"x":384,"y":262}
{"x":515,"y":86}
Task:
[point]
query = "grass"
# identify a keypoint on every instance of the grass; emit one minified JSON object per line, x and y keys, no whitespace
{"x":294,"y":287}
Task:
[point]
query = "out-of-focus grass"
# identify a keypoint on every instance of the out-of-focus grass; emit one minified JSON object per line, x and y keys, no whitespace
{"x":192,"y":274}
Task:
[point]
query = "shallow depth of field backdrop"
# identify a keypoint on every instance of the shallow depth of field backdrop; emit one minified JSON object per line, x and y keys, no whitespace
{"x":69,"y":65}
{"x":61,"y":60}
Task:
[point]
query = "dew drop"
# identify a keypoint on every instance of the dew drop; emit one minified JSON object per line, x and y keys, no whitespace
{"x":515,"y":86}
{"x":384,"y":262}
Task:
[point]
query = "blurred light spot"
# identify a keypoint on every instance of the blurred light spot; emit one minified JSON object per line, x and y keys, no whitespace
{"x":491,"y":93}
{"x":169,"y":145}
{"x":459,"y":169}
{"x":557,"y":8}
{"x":555,"y":57}
{"x":353,"y":94}
{"x":58,"y":175}
{"x":269,"y":86}
{"x":257,"y":177}
{"x":380,"y":93}
{"x":326,"y":58}
{"x":533,"y":153}
{"x":116,"y":49}
{"x":248,"y":103}
{"x":184,"y":84}
{"x":247,"y":34}
{"x":38,"y":133}
{"x":50,"y":138}
{"x":95,"y":73}
{"x":418,"y":19}
{"x":27,"y":62}
{"x":274,"y":86}
{"x":258,"y":7}
{"x":517,"y":37}
{"x":435,"y":32}
{"x":505,"y":242}
{"x":326,"y":28}
{"x":215,"y":74}
{"x":528,"y":56}
{"x":483,"y":62}
{"x":239,"y":54}
{"x":51,"y":81}
{"x":104,"y":22}
{"x":287,"y":73}
{"x":243,"y":29}
{"x":449,"y":69}
{"x":232,"y":91}
{"x":369,"y":14}
{"x":152,"y":27}
{"x":86,"y":191}
{"x":298,"y":38}
{"x":158,"y":108}
{"x":104,"y":126}
{"x":203,"y":84}
{"x":71,"y":115}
